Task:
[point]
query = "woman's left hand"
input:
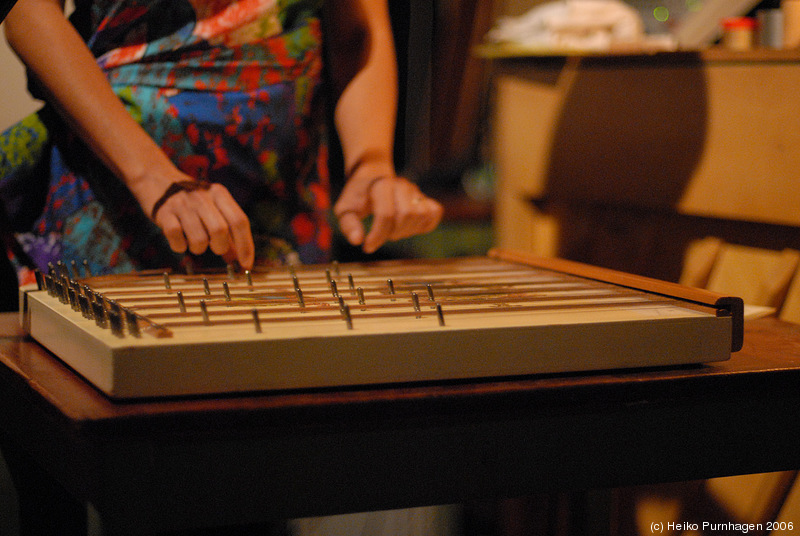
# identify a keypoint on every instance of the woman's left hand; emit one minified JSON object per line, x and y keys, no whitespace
{"x":397,"y":206}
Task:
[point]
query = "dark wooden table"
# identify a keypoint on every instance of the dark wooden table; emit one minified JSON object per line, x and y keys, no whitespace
{"x":149,"y":466}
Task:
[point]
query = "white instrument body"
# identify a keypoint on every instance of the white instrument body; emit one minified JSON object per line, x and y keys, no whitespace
{"x":499,"y":318}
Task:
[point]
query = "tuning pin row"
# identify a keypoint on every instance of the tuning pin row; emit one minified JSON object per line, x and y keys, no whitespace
{"x":92,"y":305}
{"x":69,"y":270}
{"x":108,"y":314}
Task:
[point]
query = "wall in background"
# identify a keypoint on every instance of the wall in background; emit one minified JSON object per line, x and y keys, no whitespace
{"x":16,"y":103}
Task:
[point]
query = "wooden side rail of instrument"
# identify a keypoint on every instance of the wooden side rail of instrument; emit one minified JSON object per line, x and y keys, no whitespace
{"x":725,"y":305}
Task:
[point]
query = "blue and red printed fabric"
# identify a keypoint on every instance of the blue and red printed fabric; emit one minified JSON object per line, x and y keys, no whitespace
{"x":231,"y":91}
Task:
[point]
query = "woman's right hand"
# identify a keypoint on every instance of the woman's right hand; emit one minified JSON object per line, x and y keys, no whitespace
{"x":50,"y":47}
{"x":204,"y":218}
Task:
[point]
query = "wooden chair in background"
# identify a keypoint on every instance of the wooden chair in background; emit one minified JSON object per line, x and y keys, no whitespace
{"x":769,"y":280}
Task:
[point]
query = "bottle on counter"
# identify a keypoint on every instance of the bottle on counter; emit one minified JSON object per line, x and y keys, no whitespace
{"x":738,"y":33}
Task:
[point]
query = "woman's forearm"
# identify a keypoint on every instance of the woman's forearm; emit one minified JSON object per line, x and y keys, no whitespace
{"x":365,"y":113}
{"x":364,"y":70}
{"x":54,"y":52}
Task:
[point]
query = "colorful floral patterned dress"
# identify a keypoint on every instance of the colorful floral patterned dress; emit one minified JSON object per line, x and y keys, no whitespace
{"x":230,"y":89}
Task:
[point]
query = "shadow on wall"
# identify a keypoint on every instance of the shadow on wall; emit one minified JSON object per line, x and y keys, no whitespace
{"x":624,"y":150}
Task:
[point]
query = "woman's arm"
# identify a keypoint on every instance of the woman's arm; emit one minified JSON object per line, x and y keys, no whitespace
{"x":47,"y":43}
{"x":363,"y":67}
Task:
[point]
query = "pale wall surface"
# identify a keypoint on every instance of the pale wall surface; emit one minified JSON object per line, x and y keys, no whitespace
{"x":15,"y":102}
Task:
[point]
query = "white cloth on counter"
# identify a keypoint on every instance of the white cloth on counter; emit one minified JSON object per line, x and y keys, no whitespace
{"x":572,"y":24}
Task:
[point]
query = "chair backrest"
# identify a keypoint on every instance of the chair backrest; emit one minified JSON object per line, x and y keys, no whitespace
{"x":760,"y":276}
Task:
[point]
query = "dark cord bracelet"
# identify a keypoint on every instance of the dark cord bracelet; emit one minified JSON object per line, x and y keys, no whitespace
{"x":174,"y":188}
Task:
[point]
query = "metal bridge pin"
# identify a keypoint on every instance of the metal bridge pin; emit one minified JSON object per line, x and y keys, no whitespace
{"x":48,"y":284}
{"x":115,"y":323}
{"x":85,"y":305}
{"x":133,"y":324}
{"x":99,"y":313}
{"x":73,"y":298}
{"x":39,"y":279}
{"x":415,"y":301}
{"x":204,"y":311}
{"x":347,"y":317}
